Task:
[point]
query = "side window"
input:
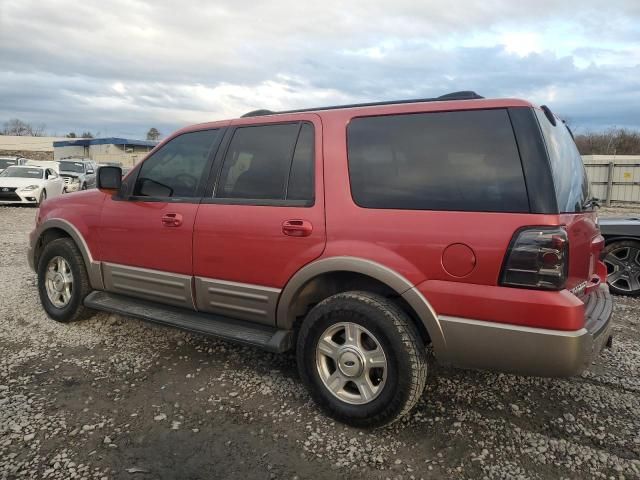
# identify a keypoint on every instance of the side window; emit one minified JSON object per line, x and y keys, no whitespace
{"x":465,"y":161}
{"x":176,"y":169}
{"x":257,"y":162}
{"x":301,"y":179}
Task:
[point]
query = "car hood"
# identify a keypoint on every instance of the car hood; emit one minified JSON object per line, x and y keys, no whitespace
{"x":18,"y":182}
{"x":620,"y":226}
{"x":630,"y":220}
{"x":70,"y":174}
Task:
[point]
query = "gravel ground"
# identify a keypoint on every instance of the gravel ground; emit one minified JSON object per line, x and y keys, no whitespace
{"x":113,"y":397}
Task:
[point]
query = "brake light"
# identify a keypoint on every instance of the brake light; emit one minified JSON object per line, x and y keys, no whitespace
{"x":537,"y":258}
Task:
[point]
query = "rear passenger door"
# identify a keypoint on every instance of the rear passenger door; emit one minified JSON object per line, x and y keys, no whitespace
{"x":262,"y":217}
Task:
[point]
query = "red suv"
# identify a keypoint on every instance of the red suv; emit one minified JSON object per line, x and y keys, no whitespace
{"x":359,"y":235}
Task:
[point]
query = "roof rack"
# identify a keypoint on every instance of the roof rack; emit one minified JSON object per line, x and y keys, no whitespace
{"x":462,"y":95}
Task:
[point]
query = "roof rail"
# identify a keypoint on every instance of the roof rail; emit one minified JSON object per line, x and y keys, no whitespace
{"x":461,"y":95}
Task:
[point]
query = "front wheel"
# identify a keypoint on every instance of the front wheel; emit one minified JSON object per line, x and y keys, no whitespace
{"x":63,"y":281}
{"x":42,"y":198}
{"x":622,"y":259}
{"x":362,"y":358}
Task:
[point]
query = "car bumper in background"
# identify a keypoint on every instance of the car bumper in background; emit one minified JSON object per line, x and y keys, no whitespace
{"x":529,"y":350}
{"x":24,"y":198}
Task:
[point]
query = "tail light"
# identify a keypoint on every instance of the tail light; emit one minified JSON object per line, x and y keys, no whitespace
{"x":537,"y":258}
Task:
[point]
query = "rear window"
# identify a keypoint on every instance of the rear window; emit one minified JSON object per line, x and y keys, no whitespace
{"x":569,"y":175}
{"x":21,"y":172}
{"x":465,"y":161}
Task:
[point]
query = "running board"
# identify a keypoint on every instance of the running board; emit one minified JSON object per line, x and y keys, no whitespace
{"x":268,"y":338}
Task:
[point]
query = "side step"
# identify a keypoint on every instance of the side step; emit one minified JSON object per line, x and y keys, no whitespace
{"x":269,"y":338}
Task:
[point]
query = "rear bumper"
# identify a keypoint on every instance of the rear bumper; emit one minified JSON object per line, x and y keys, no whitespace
{"x":528,"y":350}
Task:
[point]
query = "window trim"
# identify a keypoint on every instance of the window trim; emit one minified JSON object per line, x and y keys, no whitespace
{"x":215,"y":145}
{"x":209,"y":197}
{"x":396,"y":114}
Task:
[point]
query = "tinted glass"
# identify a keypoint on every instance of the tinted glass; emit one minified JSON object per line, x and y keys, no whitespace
{"x":6,"y":163}
{"x":569,"y":174}
{"x":437,"y":161}
{"x":176,"y":169}
{"x":76,"y":167}
{"x":301,"y":184}
{"x":257,"y":162}
{"x":20,"y":172}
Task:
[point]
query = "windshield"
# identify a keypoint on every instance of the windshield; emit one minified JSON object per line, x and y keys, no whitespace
{"x":5,"y":162}
{"x":569,"y":175}
{"x":19,"y":172}
{"x":75,"y":167}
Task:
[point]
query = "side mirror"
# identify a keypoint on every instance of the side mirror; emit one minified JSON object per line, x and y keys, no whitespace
{"x":90,"y":171}
{"x":109,"y":178}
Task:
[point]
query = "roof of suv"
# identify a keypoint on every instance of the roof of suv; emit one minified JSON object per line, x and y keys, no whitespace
{"x":452,"y":101}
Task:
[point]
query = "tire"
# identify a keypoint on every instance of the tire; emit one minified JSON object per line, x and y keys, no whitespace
{"x":83,"y":187}
{"x":383,"y":325}
{"x":43,"y":197}
{"x":622,"y":259}
{"x":74,"y":309}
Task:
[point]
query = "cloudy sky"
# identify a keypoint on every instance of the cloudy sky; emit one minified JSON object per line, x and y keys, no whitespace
{"x":118,"y":67}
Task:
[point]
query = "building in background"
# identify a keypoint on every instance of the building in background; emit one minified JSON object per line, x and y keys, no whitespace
{"x":124,"y":151}
{"x":38,"y":148}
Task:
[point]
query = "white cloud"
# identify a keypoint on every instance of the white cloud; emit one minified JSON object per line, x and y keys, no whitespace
{"x":123,"y":66}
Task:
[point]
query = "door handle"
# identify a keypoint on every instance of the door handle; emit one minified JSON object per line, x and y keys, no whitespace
{"x":297,"y":228}
{"x":172,"y":220}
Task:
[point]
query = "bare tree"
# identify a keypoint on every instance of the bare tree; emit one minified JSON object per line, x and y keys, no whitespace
{"x":616,"y":141}
{"x":153,"y":134}
{"x":86,"y":135}
{"x":15,"y":126}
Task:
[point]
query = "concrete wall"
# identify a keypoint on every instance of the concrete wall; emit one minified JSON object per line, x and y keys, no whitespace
{"x":126,"y":156}
{"x":64,"y":152}
{"x":37,"y":148}
{"x":27,"y":154}
{"x":614,"y":177}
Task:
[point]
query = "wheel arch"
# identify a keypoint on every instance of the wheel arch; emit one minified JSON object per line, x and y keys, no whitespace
{"x":58,"y":228}
{"x":609,"y":239}
{"x":326,"y":277}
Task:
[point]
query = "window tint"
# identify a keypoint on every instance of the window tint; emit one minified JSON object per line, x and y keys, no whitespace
{"x":301,"y":178}
{"x":569,"y":175}
{"x":437,"y":161}
{"x":176,"y":169}
{"x":258,"y":161}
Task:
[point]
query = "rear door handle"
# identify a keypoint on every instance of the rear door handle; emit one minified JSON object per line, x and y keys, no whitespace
{"x":297,"y":228}
{"x":172,"y":220}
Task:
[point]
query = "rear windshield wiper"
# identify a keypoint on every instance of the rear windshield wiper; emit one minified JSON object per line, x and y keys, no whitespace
{"x":591,"y":203}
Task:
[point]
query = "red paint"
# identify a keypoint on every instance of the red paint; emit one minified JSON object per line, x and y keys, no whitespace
{"x":454,"y":258}
{"x":458,"y":260}
{"x":246,"y":243}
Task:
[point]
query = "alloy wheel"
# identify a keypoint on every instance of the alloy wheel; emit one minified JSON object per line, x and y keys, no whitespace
{"x":623,"y":268}
{"x":351,"y":363}
{"x":59,"y":282}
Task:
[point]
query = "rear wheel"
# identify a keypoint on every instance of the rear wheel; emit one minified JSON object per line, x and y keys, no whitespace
{"x":63,"y":281}
{"x":362,"y":359}
{"x":623,"y":267}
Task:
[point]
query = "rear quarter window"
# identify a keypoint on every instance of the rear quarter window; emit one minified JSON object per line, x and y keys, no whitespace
{"x":569,"y":175}
{"x":466,"y":161}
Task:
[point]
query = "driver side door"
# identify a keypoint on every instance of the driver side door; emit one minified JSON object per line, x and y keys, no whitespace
{"x":146,"y":229}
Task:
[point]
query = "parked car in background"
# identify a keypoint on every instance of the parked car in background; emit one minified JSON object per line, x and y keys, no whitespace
{"x":29,"y":185}
{"x":41,"y":163}
{"x":8,"y":161}
{"x":622,"y":253}
{"x":78,"y":174}
{"x":361,"y":236}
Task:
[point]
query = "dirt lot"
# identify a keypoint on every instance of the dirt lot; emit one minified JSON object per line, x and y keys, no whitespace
{"x":112,"y":397}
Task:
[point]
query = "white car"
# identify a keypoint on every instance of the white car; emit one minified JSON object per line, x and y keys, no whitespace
{"x":29,"y":185}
